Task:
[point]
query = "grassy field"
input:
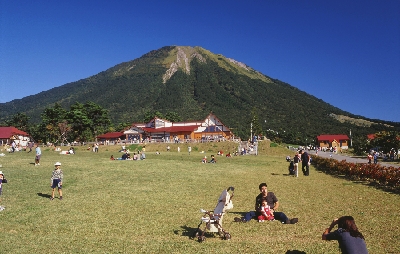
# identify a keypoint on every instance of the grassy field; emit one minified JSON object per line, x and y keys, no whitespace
{"x":152,"y":206}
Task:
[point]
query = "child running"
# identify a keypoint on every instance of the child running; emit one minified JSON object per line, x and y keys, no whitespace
{"x":56,"y":180}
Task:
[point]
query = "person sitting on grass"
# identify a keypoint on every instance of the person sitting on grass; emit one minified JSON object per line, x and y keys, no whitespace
{"x":272,"y":202}
{"x":266,"y":213}
{"x":125,"y":156}
{"x":204,"y":160}
{"x":212,"y":159}
{"x":350,"y":239}
{"x":112,"y":157}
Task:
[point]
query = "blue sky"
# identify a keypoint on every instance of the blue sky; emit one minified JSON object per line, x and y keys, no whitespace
{"x":346,"y":53}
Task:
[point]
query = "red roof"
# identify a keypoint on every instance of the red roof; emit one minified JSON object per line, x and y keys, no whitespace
{"x":111,"y":135}
{"x":8,"y":132}
{"x":172,"y":129}
{"x":330,"y":138}
{"x":371,"y":136}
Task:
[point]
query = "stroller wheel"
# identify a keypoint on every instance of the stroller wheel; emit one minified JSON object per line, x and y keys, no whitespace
{"x":202,"y":238}
{"x":227,"y":236}
{"x":197,"y":233}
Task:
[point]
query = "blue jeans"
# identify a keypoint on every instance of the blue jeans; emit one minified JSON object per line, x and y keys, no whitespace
{"x":278,"y":216}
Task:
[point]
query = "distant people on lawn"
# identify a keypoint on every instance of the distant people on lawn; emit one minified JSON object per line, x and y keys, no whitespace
{"x":291,"y":168}
{"x":212,"y":159}
{"x":2,"y":180}
{"x":38,"y":155}
{"x":56,"y":180}
{"x":369,"y":158}
{"x":112,"y":157}
{"x":13,"y":146}
{"x":189,"y":149}
{"x":30,"y":145}
{"x":350,"y":239}
{"x":375,"y":157}
{"x":272,"y":202}
{"x":296,"y":160}
{"x":305,"y":162}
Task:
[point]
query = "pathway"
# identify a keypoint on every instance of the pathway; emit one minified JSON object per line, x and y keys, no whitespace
{"x":348,"y":158}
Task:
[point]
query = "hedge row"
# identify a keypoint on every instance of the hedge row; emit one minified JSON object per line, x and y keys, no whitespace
{"x":374,"y":173}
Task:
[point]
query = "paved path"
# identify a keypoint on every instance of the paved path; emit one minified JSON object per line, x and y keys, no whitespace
{"x":348,"y":158}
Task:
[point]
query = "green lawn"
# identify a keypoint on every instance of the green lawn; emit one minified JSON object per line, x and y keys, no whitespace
{"x":152,"y":206}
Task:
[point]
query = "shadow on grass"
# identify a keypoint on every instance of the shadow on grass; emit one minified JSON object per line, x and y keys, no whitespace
{"x":295,"y":252}
{"x":190,"y":232}
{"x":186,"y":231}
{"x":44,"y":195}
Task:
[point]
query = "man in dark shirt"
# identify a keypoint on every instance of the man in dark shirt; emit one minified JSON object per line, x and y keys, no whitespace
{"x":272,"y":202}
{"x":305,"y":163}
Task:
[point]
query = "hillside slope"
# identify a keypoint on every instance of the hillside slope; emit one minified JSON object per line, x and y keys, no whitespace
{"x":193,"y":81}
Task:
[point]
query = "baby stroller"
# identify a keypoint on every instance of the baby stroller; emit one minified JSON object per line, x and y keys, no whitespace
{"x":213,"y":220}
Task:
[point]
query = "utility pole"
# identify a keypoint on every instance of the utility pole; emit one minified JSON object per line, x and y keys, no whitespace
{"x":351,"y":140}
{"x":251,"y":131}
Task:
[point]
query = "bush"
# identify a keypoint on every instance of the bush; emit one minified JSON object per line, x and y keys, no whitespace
{"x":388,"y":177}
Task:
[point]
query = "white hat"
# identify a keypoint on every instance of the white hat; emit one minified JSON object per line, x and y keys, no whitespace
{"x":1,"y":173}
{"x":57,"y":164}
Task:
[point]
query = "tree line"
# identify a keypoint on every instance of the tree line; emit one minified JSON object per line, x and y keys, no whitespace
{"x":81,"y":123}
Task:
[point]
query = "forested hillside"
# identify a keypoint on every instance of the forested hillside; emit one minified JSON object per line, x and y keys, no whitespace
{"x":194,"y":82}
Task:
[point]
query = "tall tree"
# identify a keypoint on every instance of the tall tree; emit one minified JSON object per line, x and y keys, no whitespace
{"x":256,"y":126}
{"x":173,"y":117}
{"x":151,"y":114}
{"x":51,"y":118}
{"x":386,"y":140}
{"x":19,"y":121}
{"x":87,"y":120}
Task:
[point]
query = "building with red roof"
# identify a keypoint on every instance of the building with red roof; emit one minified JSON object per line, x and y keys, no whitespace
{"x":9,"y":134}
{"x":157,"y":129}
{"x":333,"y":140}
{"x":112,"y":136}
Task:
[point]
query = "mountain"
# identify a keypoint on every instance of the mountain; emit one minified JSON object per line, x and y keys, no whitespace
{"x":193,"y":82}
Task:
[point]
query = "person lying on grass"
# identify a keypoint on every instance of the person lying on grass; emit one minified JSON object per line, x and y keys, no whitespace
{"x":272,"y":202}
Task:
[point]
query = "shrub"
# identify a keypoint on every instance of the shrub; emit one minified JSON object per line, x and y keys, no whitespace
{"x":388,"y":177}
